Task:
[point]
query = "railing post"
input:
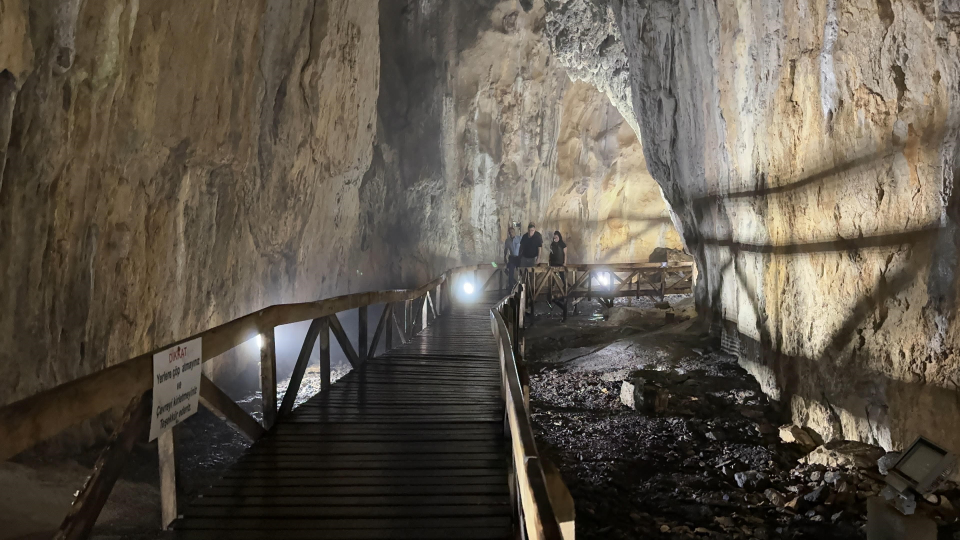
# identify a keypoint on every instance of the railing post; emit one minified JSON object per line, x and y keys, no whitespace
{"x":407,"y":319}
{"x":90,"y":499}
{"x":523,"y":304}
{"x":362,"y":334}
{"x":323,"y":340}
{"x":268,"y":378}
{"x":425,"y":308}
{"x":663,"y":283}
{"x":388,"y":344}
{"x":166,"y":448}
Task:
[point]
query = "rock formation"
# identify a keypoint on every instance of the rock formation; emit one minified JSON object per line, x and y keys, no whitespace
{"x":483,"y":127}
{"x":809,"y":151}
{"x":168,"y":166}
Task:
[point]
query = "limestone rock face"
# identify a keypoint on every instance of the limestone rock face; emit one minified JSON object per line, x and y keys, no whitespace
{"x":809,"y":151}
{"x":167,"y":166}
{"x":172,"y":165}
{"x":484,"y":127}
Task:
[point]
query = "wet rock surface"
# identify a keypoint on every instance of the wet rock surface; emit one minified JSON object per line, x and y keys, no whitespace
{"x":710,"y":464}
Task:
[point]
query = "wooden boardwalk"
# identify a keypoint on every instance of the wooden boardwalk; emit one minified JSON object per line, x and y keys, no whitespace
{"x":410,"y":446}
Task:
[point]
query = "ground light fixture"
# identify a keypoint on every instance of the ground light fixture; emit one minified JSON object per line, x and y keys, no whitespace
{"x":917,"y":473}
{"x":466,"y":290}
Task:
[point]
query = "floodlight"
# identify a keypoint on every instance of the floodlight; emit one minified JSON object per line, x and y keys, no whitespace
{"x":603,"y":278}
{"x":467,"y":287}
{"x":918,"y":472}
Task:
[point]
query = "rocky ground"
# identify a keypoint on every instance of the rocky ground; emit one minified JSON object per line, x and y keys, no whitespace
{"x":688,"y":446}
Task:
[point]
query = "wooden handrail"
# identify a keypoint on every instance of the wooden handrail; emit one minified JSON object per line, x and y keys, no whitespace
{"x":618,"y":267}
{"x":539,"y":518}
{"x":26,"y":422}
{"x":33,"y":419}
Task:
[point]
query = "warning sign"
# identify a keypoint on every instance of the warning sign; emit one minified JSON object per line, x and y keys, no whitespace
{"x":176,"y":385}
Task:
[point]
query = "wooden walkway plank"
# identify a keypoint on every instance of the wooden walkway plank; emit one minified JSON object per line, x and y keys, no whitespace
{"x":408,"y":445}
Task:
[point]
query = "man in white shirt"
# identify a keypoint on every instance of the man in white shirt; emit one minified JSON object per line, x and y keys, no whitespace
{"x":511,"y":254}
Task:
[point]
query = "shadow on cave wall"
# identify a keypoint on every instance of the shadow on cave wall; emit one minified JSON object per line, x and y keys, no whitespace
{"x":843,"y":380}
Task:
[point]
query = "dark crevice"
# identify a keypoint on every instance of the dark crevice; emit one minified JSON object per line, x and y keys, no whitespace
{"x":8,"y":101}
{"x":900,"y":79}
{"x":885,"y":10}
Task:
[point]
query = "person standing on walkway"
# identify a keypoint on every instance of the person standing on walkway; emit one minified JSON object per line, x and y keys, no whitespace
{"x":530,"y":246}
{"x":558,"y":258}
{"x":511,"y":255}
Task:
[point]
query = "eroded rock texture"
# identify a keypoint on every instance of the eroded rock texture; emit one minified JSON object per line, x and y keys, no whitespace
{"x":809,"y":150}
{"x":485,"y":127}
{"x":166,"y":166}
{"x":173,"y":165}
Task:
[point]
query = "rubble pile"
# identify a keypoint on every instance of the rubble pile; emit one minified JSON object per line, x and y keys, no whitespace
{"x":685,"y":445}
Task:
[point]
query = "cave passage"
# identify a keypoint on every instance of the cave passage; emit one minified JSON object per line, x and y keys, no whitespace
{"x":479,"y":269}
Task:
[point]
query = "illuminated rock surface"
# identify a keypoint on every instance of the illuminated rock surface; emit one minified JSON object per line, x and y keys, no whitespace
{"x":809,"y":150}
{"x":169,"y":166}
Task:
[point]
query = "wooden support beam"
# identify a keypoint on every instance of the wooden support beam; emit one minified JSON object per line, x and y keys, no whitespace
{"x":433,"y":308}
{"x":166,"y":449}
{"x":578,"y":282}
{"x":362,"y":334}
{"x":268,"y":378}
{"x":381,"y":326}
{"x":220,"y":404}
{"x":677,"y":282}
{"x":344,"y":341}
{"x":323,"y":341}
{"x":400,"y":333}
{"x":561,"y":286}
{"x":407,"y":320}
{"x":625,"y":283}
{"x":90,"y":500}
{"x":487,"y":283}
{"x":296,"y":378}
{"x":543,"y":282}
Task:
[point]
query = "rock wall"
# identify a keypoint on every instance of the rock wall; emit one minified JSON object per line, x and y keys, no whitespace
{"x":172,"y":165}
{"x":484,"y":127}
{"x":168,"y":166}
{"x":809,"y":151}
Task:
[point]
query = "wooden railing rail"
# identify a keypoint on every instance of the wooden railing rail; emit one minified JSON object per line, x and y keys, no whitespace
{"x":39,"y":417}
{"x":36,"y":418}
{"x":605,"y":282}
{"x":532,"y":502}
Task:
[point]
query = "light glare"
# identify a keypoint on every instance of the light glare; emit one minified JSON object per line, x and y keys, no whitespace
{"x":604,"y":279}
{"x":259,"y":341}
{"x":468,"y":287}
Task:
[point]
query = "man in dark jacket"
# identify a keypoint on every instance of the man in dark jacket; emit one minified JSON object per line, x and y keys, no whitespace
{"x":530,"y":246}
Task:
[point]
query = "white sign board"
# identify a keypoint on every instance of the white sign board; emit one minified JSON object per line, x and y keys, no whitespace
{"x":176,"y":385}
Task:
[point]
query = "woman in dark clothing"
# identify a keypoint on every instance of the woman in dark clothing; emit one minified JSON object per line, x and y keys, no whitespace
{"x":558,"y":250}
{"x":558,"y":257}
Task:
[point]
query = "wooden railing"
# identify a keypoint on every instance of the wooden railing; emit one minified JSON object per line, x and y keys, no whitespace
{"x":606,"y":282}
{"x":27,"y":422}
{"x":533,"y":504}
